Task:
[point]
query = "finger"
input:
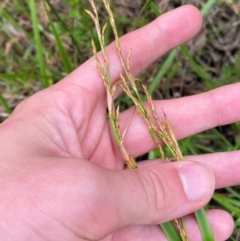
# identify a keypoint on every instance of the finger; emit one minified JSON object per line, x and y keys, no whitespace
{"x":139,"y":233}
{"x":147,"y":44}
{"x":224,"y":166}
{"x":188,"y":115}
{"x":221,"y":230}
{"x":150,"y":195}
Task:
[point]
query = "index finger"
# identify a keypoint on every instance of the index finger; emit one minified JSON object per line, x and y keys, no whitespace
{"x":147,"y":44}
{"x":188,"y":115}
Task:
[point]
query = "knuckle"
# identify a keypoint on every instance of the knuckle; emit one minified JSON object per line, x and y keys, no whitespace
{"x":165,"y":33}
{"x":215,"y":108}
{"x":156,"y":192}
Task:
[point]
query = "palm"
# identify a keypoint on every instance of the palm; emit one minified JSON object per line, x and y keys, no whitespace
{"x":80,"y":126}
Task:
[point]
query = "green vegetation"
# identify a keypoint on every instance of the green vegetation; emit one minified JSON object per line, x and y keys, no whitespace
{"x":41,"y":43}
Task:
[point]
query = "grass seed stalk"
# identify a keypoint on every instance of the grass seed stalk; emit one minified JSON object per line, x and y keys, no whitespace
{"x":160,"y":130}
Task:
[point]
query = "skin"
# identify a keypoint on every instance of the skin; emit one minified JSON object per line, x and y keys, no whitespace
{"x":62,"y":176}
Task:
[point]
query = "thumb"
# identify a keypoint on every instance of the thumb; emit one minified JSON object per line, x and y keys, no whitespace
{"x":149,"y":195}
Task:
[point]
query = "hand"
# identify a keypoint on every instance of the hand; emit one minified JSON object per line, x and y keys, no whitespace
{"x":62,"y":176}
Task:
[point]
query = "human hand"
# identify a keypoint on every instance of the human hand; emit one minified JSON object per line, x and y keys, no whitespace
{"x":62,"y":175}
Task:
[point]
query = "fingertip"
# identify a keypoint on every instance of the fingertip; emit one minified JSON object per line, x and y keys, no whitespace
{"x":198,"y":19}
{"x":197,"y":181}
{"x":222,"y":230}
{"x":186,"y":23}
{"x":194,"y":14}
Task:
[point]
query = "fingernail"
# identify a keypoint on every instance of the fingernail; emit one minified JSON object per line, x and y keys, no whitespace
{"x":197,"y":181}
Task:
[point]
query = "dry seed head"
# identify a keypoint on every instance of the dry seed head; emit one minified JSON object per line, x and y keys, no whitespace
{"x":117,"y":43}
{"x":164,"y":132}
{"x":93,"y":6}
{"x":162,"y":155}
{"x":173,"y":138}
{"x":110,"y":103}
{"x":103,"y":33}
{"x":128,"y":124}
{"x":104,"y":73}
{"x":99,"y":66}
{"x":94,"y":48}
{"x":128,"y":59}
{"x":96,"y":23}
{"x":91,"y":15}
{"x":117,"y":126}
{"x":153,"y":110}
{"x":128,"y":72}
{"x":129,"y":68}
{"x":125,"y":86}
{"x":94,"y":18}
{"x":117,"y":114}
{"x":113,"y":87}
{"x":107,"y":6}
{"x":104,"y":29}
{"x":180,"y":228}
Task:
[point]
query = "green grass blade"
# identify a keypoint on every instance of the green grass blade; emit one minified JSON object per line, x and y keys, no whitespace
{"x":40,"y":56}
{"x":207,"y":6}
{"x":198,"y":69}
{"x":204,"y":226}
{"x":162,"y":71}
{"x":204,"y":148}
{"x":230,"y":204}
{"x":141,"y":12}
{"x":170,"y":231}
{"x":61,"y":49}
{"x":155,"y":9}
{"x":5,"y":104}
{"x":226,"y":143}
{"x":65,"y":26}
{"x":230,"y":208}
{"x":187,"y":146}
{"x":233,"y":192}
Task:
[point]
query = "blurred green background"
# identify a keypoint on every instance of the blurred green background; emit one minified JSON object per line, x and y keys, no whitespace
{"x":41,"y":41}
